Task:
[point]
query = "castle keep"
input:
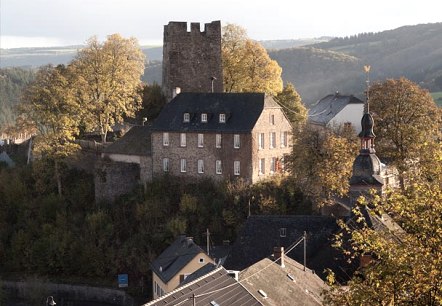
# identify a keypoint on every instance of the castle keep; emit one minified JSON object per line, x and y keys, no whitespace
{"x":192,"y":60}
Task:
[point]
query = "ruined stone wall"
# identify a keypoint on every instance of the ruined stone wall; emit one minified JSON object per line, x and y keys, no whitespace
{"x":113,"y":179}
{"x":192,"y":58}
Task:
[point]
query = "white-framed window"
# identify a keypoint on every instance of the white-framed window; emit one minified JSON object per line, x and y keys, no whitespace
{"x":200,"y":166}
{"x":272,"y":119}
{"x":284,"y":136}
{"x":222,"y":118}
{"x":166,"y":139}
{"x":262,"y":166}
{"x":261,"y":141}
{"x":218,"y":167}
{"x":218,"y":140}
{"x":183,"y":165}
{"x":165,"y":164}
{"x":272,"y":140}
{"x":186,"y":117}
{"x":273,"y":165}
{"x":183,"y":141}
{"x":236,"y":141}
{"x":236,"y":167}
{"x":204,"y":117}
{"x":200,"y":140}
{"x":201,"y":260}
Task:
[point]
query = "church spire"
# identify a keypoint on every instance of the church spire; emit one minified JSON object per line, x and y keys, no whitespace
{"x":367,"y":166}
{"x":367,"y":135}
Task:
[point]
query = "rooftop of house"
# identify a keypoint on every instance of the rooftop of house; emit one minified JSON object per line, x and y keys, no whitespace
{"x":323,"y":111}
{"x":261,"y":233}
{"x":175,"y":258}
{"x":214,"y":288}
{"x":207,"y":268}
{"x":290,"y":285}
{"x":4,"y":158}
{"x":135,"y":142}
{"x":241,"y":111}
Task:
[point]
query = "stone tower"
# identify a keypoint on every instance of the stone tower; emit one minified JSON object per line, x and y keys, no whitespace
{"x":192,"y":59}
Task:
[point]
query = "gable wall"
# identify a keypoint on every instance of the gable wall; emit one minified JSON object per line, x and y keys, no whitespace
{"x":264,"y":125}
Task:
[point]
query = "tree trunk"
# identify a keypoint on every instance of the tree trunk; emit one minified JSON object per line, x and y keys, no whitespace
{"x":58,"y":178}
{"x":103,"y":137}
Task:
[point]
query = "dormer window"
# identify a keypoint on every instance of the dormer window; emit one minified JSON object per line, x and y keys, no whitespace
{"x":204,"y":117}
{"x":186,"y":117}
{"x":222,"y":118}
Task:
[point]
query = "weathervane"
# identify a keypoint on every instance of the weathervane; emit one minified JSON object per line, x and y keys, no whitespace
{"x":367,"y":71}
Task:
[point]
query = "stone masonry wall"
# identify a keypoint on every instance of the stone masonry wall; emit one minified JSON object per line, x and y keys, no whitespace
{"x":264,"y":125}
{"x":209,"y":153}
{"x":113,"y":179}
{"x":190,"y":59}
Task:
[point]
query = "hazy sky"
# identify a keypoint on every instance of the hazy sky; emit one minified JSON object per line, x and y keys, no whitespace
{"x":27,"y":23}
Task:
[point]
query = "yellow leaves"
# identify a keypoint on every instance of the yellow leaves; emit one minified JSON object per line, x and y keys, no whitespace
{"x":246,"y":64}
{"x":108,"y":80}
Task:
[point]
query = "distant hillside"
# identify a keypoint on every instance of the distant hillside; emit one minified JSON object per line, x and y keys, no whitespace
{"x":292,"y":43}
{"x":12,"y":82}
{"x":36,"y":57}
{"x":411,"y":51}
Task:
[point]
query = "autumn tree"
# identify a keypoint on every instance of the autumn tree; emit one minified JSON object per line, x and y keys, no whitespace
{"x":406,"y":120}
{"x":246,"y":65}
{"x":292,"y":105}
{"x":50,"y":105}
{"x":108,"y":81}
{"x":406,"y":264}
{"x":321,"y":163}
{"x":153,"y":101}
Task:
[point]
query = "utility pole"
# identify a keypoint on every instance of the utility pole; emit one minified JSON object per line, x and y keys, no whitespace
{"x":208,"y":241}
{"x":305,"y":249}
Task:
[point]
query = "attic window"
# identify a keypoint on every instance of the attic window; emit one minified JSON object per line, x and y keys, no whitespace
{"x":222,"y":118}
{"x":201,"y":260}
{"x":186,"y":117}
{"x":204,"y":117}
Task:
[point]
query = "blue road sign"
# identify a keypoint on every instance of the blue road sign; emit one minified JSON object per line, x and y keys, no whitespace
{"x":123,"y":280}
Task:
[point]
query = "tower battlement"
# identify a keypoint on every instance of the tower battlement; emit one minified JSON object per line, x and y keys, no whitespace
{"x":182,"y":28}
{"x":192,"y":58}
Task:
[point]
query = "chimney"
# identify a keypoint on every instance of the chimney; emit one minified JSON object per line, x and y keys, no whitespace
{"x":278,"y":253}
{"x":176,"y":91}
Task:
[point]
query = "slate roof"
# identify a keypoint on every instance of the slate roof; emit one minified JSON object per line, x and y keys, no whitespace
{"x":207,"y":268}
{"x":323,"y":111}
{"x":175,"y":258}
{"x":242,"y":111}
{"x":4,"y":157}
{"x":285,"y":286}
{"x":136,"y":141}
{"x":261,"y":233}
{"x":216,"y":286}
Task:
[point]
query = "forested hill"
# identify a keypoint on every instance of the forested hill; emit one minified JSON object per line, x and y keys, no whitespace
{"x":12,"y":82}
{"x":411,"y":51}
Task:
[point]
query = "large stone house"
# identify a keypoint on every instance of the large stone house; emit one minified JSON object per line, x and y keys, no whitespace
{"x":221,"y":136}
